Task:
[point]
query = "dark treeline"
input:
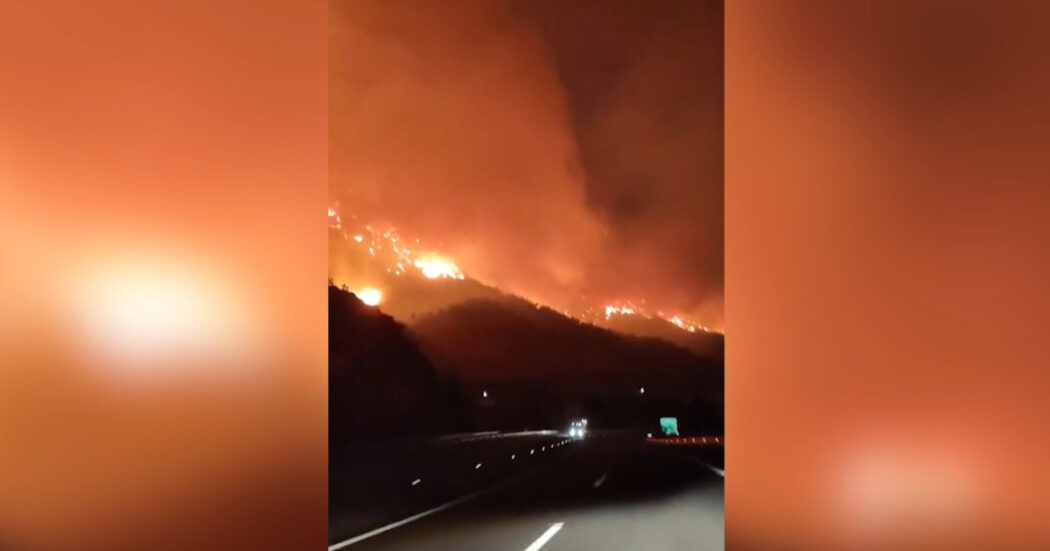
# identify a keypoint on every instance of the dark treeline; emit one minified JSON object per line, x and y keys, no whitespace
{"x":543,"y":368}
{"x":701,"y":343}
{"x":513,"y":340}
{"x":505,"y":365}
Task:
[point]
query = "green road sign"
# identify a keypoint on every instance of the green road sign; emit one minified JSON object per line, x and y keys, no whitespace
{"x":669,"y":425}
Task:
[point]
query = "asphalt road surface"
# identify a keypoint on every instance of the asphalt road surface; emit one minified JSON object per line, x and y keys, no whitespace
{"x":608,"y":491}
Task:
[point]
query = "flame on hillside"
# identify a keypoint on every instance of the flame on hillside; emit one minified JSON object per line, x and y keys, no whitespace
{"x":369,"y":295}
{"x":435,"y":267}
{"x":630,"y":309}
{"x":399,"y":256}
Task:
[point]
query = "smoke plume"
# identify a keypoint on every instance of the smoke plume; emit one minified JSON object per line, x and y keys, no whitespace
{"x":568,"y":153}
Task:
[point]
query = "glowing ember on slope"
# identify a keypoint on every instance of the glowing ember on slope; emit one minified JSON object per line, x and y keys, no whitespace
{"x":430,"y":264}
{"x":434,"y":267}
{"x":687,"y":326}
{"x":624,"y":310}
{"x":333,"y":219}
{"x":628,"y":309}
{"x":370,"y":295}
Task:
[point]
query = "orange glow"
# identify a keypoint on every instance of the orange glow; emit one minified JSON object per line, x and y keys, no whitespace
{"x":333,"y":218}
{"x":370,"y":296}
{"x":622,"y":310}
{"x":435,"y":267}
{"x":130,"y":310}
{"x":389,"y":255}
{"x":628,"y":309}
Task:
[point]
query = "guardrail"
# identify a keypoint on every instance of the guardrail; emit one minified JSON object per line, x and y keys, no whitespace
{"x":514,"y":456}
{"x":686,"y":440}
{"x":373,"y":484}
{"x":492,"y":434}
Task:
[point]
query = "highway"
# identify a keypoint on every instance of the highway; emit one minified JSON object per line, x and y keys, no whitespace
{"x":609,"y":491}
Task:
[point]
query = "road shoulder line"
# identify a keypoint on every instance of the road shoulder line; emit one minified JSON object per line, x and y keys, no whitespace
{"x":428,"y":512}
{"x":545,"y":537}
{"x":712,"y":468}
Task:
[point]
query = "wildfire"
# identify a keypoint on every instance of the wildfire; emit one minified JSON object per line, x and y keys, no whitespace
{"x":681,"y":324}
{"x":387,"y":248}
{"x":334,"y":219}
{"x":628,"y":309}
{"x":435,"y":267}
{"x":622,"y":310}
{"x":431,"y":265}
{"x":370,"y":295}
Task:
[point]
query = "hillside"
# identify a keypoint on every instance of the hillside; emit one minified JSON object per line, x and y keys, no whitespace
{"x":408,"y":295}
{"x":510,"y":340}
{"x":539,"y":366}
{"x":702,"y":343}
{"x":379,"y":381}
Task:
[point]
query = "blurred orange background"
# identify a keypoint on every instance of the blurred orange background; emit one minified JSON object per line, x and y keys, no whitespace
{"x":163,"y":172}
{"x":886,"y":276}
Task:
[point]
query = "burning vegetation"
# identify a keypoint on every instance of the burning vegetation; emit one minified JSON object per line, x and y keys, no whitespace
{"x":384,"y":261}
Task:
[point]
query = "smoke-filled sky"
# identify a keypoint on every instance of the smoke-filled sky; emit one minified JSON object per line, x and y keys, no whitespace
{"x":567,"y":151}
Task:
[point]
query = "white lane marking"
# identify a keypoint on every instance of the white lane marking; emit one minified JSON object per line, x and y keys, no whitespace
{"x":540,"y":541}
{"x":716,"y":470}
{"x":600,"y":481}
{"x":428,"y":512}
